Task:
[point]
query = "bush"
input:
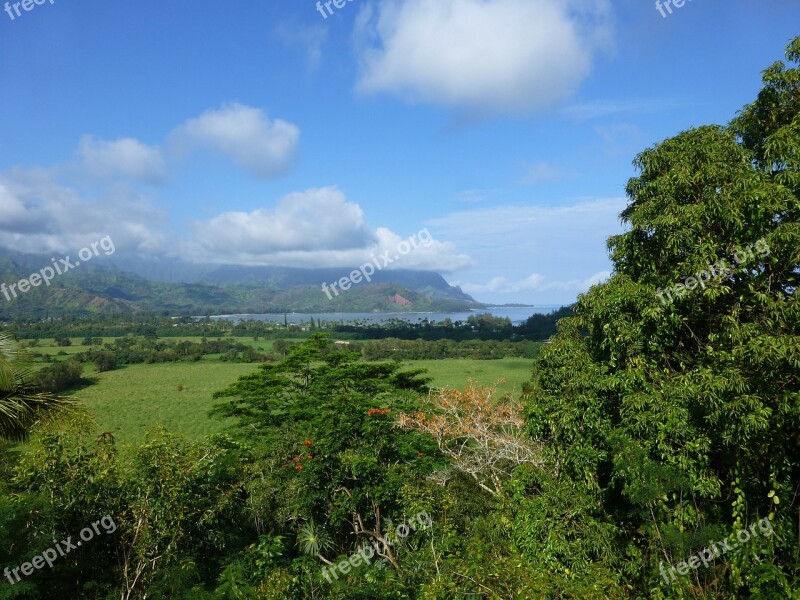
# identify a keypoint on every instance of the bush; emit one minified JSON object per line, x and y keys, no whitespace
{"x":59,"y":376}
{"x":105,"y":361}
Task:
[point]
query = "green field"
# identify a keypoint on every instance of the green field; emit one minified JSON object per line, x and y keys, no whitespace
{"x":456,"y":373}
{"x":129,"y":400}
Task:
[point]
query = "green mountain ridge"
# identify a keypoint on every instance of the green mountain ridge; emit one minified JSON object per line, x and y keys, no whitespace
{"x":94,"y":289}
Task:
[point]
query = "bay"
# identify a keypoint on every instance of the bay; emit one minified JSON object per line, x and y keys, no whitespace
{"x":516,"y":314}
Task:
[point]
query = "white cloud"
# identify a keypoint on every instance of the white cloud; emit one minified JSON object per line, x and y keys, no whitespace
{"x":45,"y":216}
{"x":317,"y":219}
{"x":536,"y":223}
{"x":124,"y":157}
{"x":487,"y":56}
{"x":15,"y":216}
{"x":263,"y":147}
{"x":435,"y":256}
{"x":315,"y":228}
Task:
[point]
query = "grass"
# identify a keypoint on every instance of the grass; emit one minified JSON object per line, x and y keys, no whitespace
{"x":455,"y":373}
{"x":129,"y":401}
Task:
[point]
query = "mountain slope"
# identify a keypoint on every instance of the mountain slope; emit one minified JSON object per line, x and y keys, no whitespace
{"x":94,"y":288}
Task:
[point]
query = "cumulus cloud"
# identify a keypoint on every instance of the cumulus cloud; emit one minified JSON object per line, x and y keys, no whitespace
{"x":45,"y":216}
{"x":486,"y":56}
{"x":264,"y":147}
{"x":434,"y":256}
{"x":315,"y":228}
{"x":317,"y":219}
{"x":126,"y":157}
{"x":14,"y":215}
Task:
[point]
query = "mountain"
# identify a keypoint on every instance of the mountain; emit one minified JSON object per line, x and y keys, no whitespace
{"x":95,"y":288}
{"x":171,"y":271}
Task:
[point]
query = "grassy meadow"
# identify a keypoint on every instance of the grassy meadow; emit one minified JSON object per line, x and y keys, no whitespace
{"x":132,"y":399}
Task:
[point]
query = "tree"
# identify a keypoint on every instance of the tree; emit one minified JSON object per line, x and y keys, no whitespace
{"x":58,"y":377}
{"x":281,"y":346}
{"x":20,"y":406}
{"x":325,"y":459}
{"x":484,"y":437}
{"x":681,"y":419}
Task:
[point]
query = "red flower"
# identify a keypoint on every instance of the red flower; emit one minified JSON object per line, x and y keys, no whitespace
{"x":308,"y":442}
{"x":309,"y":457}
{"x":420,"y":454}
{"x":299,"y":467}
{"x":296,"y":459}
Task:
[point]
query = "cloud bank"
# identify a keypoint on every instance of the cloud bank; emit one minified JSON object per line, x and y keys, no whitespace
{"x":484,"y":56}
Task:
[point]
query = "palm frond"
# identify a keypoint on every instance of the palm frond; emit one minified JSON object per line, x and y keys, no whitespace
{"x":313,"y":540}
{"x":20,"y":406}
{"x":20,"y":411}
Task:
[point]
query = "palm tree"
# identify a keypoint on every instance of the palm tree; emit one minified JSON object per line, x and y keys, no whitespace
{"x":20,"y":406}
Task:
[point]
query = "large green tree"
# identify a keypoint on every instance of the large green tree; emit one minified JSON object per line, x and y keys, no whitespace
{"x":679,"y":413}
{"x":326,"y":469}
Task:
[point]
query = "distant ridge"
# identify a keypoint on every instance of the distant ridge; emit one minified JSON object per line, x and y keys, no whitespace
{"x":99,"y":288}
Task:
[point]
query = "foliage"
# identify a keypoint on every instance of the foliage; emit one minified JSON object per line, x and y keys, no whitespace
{"x":392,"y":348}
{"x":175,"y":505}
{"x":326,"y":463}
{"x":681,"y":421}
{"x":483,"y":436}
{"x":58,"y":377}
{"x":648,"y":431}
{"x":21,"y":406}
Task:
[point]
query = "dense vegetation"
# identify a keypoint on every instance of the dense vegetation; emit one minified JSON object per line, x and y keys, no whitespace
{"x":650,"y":433}
{"x":392,"y":348}
{"x":483,"y":326}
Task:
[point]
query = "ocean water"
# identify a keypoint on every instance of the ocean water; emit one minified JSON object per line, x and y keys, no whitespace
{"x":516,"y":314}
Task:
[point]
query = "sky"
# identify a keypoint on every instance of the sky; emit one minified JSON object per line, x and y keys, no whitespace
{"x":279,"y":132}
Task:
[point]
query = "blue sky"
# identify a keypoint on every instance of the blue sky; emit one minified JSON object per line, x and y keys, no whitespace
{"x":263,"y":133}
